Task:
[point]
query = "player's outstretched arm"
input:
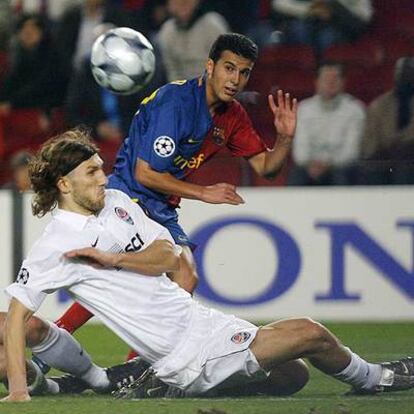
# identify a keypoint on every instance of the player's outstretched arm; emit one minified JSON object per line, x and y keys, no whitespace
{"x":14,"y":342}
{"x":269,"y":163}
{"x":161,"y":256}
{"x":221,"y":193}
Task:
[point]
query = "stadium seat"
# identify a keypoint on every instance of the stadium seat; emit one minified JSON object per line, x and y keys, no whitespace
{"x":4,"y":62}
{"x":284,"y":56}
{"x":364,"y":53}
{"x":297,"y":81}
{"x":366,"y":84}
{"x":396,"y":46}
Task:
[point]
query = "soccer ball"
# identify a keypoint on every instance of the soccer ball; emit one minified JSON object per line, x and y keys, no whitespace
{"x":122,"y":60}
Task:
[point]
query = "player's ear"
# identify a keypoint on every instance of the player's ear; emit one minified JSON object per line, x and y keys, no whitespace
{"x":63,"y":185}
{"x":210,"y":68}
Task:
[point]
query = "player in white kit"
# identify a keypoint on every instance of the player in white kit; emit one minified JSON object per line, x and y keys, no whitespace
{"x":113,"y":260}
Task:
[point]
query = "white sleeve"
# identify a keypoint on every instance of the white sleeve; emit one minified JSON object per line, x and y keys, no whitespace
{"x":351,"y":139}
{"x":41,"y":273}
{"x":294,"y":8}
{"x":301,"y":142}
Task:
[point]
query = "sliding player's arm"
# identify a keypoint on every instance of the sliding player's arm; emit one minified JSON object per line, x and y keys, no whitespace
{"x":161,"y":256}
{"x":166,"y":183}
{"x":14,"y":341}
{"x":269,"y":163}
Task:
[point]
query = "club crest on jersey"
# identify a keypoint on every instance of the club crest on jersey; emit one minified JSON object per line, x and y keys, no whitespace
{"x":240,"y":337}
{"x":124,"y":215}
{"x":218,"y":136}
{"x":164,"y":146}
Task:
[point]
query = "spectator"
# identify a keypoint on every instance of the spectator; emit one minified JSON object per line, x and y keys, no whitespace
{"x":321,"y":23}
{"x":5,"y":26}
{"x":51,"y":9}
{"x":34,"y":79}
{"x":329,"y":131}
{"x":388,"y":144}
{"x":186,"y":38}
{"x":76,"y":31}
{"x":20,"y":170}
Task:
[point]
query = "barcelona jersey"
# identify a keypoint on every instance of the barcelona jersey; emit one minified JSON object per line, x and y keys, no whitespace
{"x":174,"y":132}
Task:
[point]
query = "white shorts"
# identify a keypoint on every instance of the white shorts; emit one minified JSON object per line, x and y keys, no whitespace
{"x":214,"y":351}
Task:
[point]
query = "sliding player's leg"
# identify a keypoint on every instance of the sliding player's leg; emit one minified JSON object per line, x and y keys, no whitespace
{"x":303,"y":338}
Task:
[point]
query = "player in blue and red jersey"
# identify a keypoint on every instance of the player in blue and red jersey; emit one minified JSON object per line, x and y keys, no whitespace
{"x":178,"y":128}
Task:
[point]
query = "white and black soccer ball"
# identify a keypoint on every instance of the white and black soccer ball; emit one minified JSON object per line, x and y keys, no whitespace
{"x":122,"y":60}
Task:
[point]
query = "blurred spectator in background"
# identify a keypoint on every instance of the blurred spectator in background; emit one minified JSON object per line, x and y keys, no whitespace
{"x":241,"y":15}
{"x":76,"y":31}
{"x":150,"y":16}
{"x":186,"y":38}
{"x":388,"y":144}
{"x":34,"y":78}
{"x":321,"y":23}
{"x":19,"y":165}
{"x":52,"y":9}
{"x":5,"y":24}
{"x":329,"y":132}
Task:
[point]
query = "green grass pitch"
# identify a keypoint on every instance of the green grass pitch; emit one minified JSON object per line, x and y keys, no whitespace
{"x":322,"y":395}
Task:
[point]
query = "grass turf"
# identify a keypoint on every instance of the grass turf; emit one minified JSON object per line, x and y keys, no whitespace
{"x":322,"y":395}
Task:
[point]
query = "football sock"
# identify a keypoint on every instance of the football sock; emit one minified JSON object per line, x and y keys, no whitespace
{"x":360,"y":373}
{"x":74,"y":318}
{"x":132,"y":354}
{"x":60,"y":350}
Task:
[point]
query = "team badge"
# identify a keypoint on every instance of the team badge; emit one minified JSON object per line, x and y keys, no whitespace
{"x":164,"y":146}
{"x":218,"y":136}
{"x":23,"y":276}
{"x":240,"y":337}
{"x":124,"y":215}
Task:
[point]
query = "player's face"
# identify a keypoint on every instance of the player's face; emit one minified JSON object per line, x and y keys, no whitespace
{"x":227,"y":77}
{"x":87,"y":185}
{"x":330,"y":82}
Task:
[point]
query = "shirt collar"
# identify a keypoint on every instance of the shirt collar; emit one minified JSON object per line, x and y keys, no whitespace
{"x":75,"y":220}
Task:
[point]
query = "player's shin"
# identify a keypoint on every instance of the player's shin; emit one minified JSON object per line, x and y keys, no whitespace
{"x":60,"y":350}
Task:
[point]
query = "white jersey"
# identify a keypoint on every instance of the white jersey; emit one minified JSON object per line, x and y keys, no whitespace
{"x":150,"y":313}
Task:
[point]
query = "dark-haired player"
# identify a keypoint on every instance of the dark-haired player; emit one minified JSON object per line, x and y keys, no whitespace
{"x":178,"y":128}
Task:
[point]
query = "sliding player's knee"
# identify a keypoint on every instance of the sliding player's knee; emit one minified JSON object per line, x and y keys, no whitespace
{"x":36,"y":331}
{"x":317,"y":337}
{"x":287,"y":378}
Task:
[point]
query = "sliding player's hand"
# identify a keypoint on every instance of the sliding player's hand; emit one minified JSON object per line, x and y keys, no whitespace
{"x":92,"y":256}
{"x":221,"y":193}
{"x":284,"y":113}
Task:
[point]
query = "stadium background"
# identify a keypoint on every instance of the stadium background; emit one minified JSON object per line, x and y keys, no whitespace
{"x":337,"y":254}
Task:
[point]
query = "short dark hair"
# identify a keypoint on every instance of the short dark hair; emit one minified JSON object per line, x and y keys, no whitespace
{"x":234,"y":42}
{"x":332,"y":64}
{"x":54,"y":160}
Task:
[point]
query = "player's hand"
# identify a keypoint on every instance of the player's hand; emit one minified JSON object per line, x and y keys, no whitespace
{"x":20,"y":396}
{"x":284,"y":113}
{"x":94,"y":257}
{"x":221,"y":193}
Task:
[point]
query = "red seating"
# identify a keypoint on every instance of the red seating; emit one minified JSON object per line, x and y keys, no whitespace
{"x":367,"y":84}
{"x":4,"y":63}
{"x":297,"y":81}
{"x":396,"y":46}
{"x":283,"y":56}
{"x":364,"y":53}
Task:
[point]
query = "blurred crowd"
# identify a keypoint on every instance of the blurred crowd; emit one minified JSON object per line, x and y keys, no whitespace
{"x":349,"y":62}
